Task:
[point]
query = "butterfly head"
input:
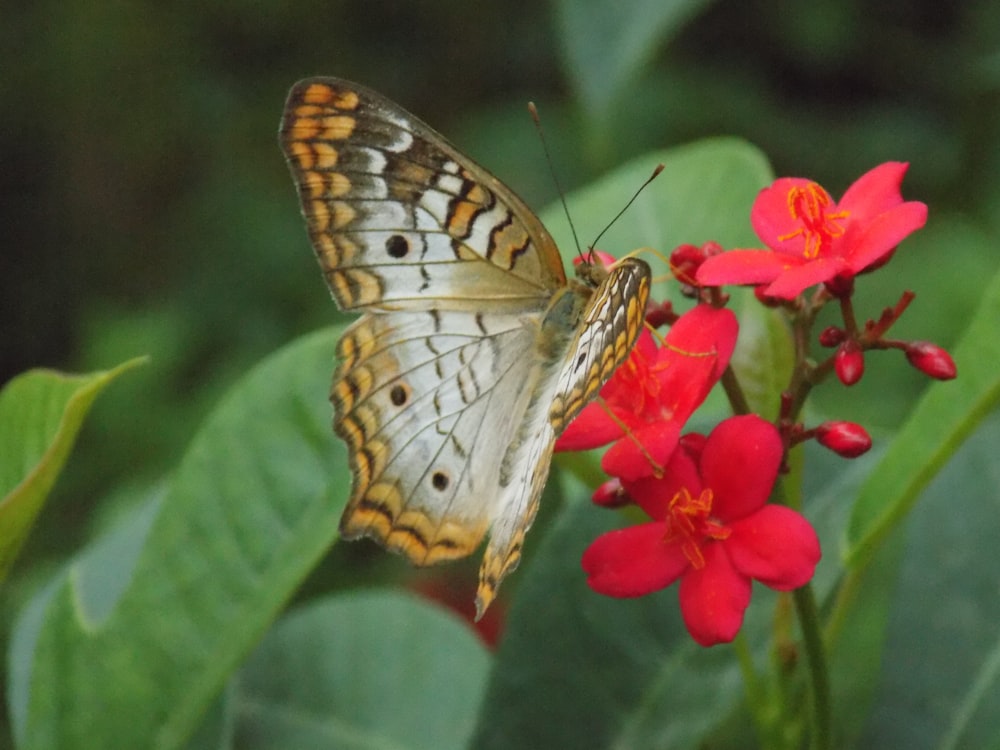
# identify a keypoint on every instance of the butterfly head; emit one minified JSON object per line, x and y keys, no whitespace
{"x":592,"y":267}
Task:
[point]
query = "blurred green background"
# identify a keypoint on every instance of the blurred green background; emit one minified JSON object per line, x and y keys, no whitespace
{"x":145,"y":206}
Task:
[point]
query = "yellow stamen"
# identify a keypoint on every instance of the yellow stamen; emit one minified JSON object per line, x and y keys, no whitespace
{"x":689,"y":524}
{"x":809,"y":205}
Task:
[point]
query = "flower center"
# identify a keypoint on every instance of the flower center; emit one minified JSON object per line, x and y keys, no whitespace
{"x":809,"y":205}
{"x":690,"y":524}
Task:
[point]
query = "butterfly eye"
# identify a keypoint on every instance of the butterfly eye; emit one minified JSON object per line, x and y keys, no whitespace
{"x":397,"y":246}
{"x":440,"y":481}
{"x":399,"y":395}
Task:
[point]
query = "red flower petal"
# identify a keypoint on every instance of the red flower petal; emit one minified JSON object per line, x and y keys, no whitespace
{"x":714,"y":598}
{"x":745,"y":267}
{"x":591,"y":428}
{"x":776,"y":546}
{"x":695,"y":353}
{"x":874,"y":192}
{"x":637,"y":455}
{"x":886,"y":231}
{"x":633,"y":561}
{"x":739,"y":463}
{"x":795,"y":280}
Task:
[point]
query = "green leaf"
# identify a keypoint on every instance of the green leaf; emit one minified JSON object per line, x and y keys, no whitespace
{"x":363,"y":671}
{"x":857,"y":638}
{"x":940,"y":422}
{"x":131,"y":654}
{"x":606,"y":44}
{"x":41,"y":412}
{"x":764,"y":354}
{"x":940,"y":683}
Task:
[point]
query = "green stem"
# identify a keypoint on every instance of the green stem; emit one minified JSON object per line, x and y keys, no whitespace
{"x":805,"y":605}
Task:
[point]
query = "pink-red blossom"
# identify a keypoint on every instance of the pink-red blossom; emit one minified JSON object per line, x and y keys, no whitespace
{"x":813,"y":240}
{"x":651,"y":395}
{"x":711,"y":529}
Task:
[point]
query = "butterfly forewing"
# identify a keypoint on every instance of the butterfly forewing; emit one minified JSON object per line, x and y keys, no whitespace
{"x":472,"y":352}
{"x":381,"y":190}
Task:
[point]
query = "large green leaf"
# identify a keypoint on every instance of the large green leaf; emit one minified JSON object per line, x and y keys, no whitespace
{"x":116,"y":654}
{"x":940,"y":684}
{"x":361,"y":670}
{"x":41,"y":413}
{"x":942,"y":419}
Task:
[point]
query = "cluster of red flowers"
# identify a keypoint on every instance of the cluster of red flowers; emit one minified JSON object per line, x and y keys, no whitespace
{"x":711,"y":526}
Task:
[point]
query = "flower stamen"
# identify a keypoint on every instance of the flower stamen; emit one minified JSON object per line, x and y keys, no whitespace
{"x":808,"y":205}
{"x":689,"y":524}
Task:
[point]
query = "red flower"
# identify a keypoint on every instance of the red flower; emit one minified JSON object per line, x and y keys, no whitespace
{"x":651,"y":395}
{"x":712,"y":529}
{"x":813,"y":240}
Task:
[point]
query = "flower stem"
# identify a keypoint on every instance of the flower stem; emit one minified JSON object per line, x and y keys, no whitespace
{"x":805,"y":605}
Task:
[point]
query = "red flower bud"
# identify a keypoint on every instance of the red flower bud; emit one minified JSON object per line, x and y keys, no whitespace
{"x":841,"y":286}
{"x":685,"y":261}
{"x":931,"y":360}
{"x":849,"y":362}
{"x":831,"y":337}
{"x":659,"y":314}
{"x":611,"y":494}
{"x":846,"y":439}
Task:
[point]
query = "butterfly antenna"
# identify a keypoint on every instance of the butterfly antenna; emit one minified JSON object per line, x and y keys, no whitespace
{"x":643,"y":186}
{"x":552,"y":171}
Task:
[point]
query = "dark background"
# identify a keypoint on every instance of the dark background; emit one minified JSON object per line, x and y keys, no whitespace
{"x":145,"y":206}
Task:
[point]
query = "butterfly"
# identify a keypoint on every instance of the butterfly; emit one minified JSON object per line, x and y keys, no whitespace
{"x":473,"y":350}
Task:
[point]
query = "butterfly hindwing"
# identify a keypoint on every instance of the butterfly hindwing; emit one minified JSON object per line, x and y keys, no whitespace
{"x":412,"y":396}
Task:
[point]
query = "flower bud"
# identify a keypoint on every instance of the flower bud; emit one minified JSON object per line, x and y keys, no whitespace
{"x":849,"y":362}
{"x":611,"y":494}
{"x":686,"y":259}
{"x":841,"y":286}
{"x":659,"y":314}
{"x":931,"y":360}
{"x":846,"y":439}
{"x":831,"y":337}
{"x":693,"y":443}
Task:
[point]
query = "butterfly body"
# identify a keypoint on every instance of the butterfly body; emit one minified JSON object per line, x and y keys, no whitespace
{"x":473,"y":351}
